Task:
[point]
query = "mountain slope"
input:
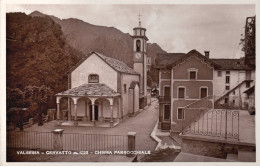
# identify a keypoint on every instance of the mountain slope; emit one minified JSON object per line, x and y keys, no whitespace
{"x":108,"y":40}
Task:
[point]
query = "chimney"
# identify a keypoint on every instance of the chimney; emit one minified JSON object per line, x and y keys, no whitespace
{"x":206,"y":54}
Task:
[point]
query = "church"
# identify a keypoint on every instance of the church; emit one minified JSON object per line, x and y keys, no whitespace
{"x":103,"y":90}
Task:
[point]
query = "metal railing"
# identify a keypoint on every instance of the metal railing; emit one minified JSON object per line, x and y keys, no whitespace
{"x":30,"y":140}
{"x":164,"y":99}
{"x":223,"y":123}
{"x":70,"y":141}
{"x":91,"y":142}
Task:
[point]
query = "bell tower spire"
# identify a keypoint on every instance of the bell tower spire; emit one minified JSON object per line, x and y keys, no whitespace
{"x":139,"y":57}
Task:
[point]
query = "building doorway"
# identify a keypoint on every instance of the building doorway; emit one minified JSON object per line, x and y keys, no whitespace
{"x":95,"y":111}
{"x":167,"y":93}
{"x":167,"y":113}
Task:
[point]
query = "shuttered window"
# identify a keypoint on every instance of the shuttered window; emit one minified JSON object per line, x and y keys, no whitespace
{"x":203,"y":92}
{"x":180,"y":113}
{"x":181,"y":93}
{"x":192,"y":75}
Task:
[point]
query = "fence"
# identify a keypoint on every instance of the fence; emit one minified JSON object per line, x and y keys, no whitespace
{"x":30,"y":140}
{"x":57,"y":140}
{"x":223,"y":123}
{"x":98,"y":142}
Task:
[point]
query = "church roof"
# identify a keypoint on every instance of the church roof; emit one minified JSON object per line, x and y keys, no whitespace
{"x":114,"y":63}
{"x":91,"y":90}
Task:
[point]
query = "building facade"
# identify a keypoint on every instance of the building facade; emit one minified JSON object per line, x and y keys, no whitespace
{"x":192,"y":82}
{"x":102,"y":89}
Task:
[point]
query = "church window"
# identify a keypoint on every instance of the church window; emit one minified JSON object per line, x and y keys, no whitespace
{"x":219,"y":73}
{"x":138,"y":45}
{"x":124,"y":88}
{"x":93,"y":78}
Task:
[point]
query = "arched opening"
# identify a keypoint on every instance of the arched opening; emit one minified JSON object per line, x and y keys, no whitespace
{"x":64,"y":108}
{"x":97,"y":107}
{"x":138,"y":45}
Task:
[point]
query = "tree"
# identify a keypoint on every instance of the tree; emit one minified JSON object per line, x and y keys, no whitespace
{"x":248,"y":42}
{"x":40,"y":95}
{"x":14,"y":97}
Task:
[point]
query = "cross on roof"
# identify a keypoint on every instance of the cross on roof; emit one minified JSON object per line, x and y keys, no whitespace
{"x":139,"y":18}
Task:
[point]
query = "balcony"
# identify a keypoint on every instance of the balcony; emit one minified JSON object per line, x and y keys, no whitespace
{"x":164,"y":99}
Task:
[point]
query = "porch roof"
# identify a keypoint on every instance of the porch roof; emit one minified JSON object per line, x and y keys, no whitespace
{"x":90,"y":90}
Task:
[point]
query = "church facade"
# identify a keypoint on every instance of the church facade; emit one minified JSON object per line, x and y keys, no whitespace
{"x":103,"y":89}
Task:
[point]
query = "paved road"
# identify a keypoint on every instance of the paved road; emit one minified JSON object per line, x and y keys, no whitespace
{"x":142,"y":124}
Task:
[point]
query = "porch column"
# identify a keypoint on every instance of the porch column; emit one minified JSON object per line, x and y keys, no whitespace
{"x":75,"y":100}
{"x":93,"y":110}
{"x":76,"y":116}
{"x":58,"y":110}
{"x":69,"y":110}
{"x":111,"y":118}
{"x":86,"y":110}
{"x":117,"y":116}
{"x":93,"y":113}
{"x":102,"y":116}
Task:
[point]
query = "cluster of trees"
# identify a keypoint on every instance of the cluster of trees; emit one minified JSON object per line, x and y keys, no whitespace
{"x":38,"y":56}
{"x":32,"y":97}
{"x":248,"y":41}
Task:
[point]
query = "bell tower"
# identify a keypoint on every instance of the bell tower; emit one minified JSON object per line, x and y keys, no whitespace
{"x":139,"y":55}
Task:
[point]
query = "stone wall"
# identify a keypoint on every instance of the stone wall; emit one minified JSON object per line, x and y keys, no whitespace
{"x":207,"y":147}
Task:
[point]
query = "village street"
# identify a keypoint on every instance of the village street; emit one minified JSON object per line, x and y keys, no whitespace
{"x":142,"y":124}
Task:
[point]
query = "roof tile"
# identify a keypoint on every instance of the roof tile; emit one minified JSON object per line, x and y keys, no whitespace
{"x":93,"y":90}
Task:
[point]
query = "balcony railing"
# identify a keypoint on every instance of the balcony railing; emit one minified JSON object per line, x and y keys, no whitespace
{"x":164,"y":99}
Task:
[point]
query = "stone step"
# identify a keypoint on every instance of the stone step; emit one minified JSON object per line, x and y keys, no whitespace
{"x":246,"y":156}
{"x":176,"y":138}
{"x":233,"y":157}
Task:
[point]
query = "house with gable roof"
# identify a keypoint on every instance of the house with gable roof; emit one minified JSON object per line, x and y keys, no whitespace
{"x":100,"y":88}
{"x":189,"y":83}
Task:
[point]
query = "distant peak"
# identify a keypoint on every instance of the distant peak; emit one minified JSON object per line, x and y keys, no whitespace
{"x":36,"y":13}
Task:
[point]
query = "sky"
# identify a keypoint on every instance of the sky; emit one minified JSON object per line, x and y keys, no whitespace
{"x":174,"y":27}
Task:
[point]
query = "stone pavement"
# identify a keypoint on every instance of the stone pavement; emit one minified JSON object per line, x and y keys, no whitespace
{"x":246,"y":127}
{"x":142,"y":124}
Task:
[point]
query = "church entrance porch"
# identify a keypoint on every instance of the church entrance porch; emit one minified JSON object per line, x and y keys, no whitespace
{"x":90,"y":105}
